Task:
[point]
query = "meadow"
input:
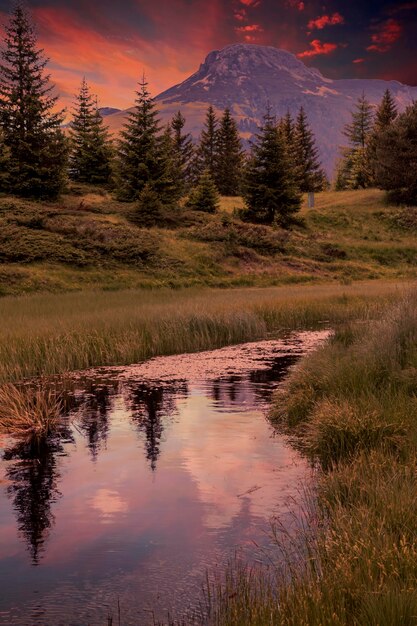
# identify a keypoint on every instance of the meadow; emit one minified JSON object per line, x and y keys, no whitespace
{"x":48,"y":334}
{"x":87,"y":240}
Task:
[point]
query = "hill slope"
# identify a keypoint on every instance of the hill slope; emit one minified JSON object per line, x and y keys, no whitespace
{"x":88,"y":241}
{"x":245,"y":77}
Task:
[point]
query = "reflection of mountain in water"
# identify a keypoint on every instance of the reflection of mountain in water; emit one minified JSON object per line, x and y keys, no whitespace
{"x":34,"y":476}
{"x":150,"y":405}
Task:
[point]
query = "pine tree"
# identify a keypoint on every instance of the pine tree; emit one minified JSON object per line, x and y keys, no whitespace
{"x":386,"y":113}
{"x":270,"y":191}
{"x":32,"y":130}
{"x":139,"y":154}
{"x":207,"y":148}
{"x":184,"y":150}
{"x":91,"y":153}
{"x":359,"y":129}
{"x":205,"y":196}
{"x":355,"y":163}
{"x":229,"y":158}
{"x":309,"y":173}
{"x":148,"y":209}
{"x":170,"y":184}
{"x":396,"y":158}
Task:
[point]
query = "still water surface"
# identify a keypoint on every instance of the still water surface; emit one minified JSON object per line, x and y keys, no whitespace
{"x":164,"y":470}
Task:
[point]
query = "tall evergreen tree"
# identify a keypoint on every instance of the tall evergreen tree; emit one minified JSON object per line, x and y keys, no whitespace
{"x":139,"y":155}
{"x":184,"y":151}
{"x":170,"y":185}
{"x":91,"y":153}
{"x":309,"y":173}
{"x":229,"y":158}
{"x":355,"y":170}
{"x":270,"y":191}
{"x":207,"y":148}
{"x":396,"y":158}
{"x":32,"y":130}
{"x":386,"y":113}
{"x":359,"y":129}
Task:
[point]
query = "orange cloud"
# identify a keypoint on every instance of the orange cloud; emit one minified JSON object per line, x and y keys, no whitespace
{"x":385,"y":36}
{"x":318,"y":48}
{"x":326,"y":20}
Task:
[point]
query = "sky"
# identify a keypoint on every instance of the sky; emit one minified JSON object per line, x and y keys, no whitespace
{"x":112,"y":42}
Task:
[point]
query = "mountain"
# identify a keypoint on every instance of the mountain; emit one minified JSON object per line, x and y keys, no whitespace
{"x":106,"y":111}
{"x":245,"y":77}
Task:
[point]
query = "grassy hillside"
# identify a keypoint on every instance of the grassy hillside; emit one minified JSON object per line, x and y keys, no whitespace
{"x":88,"y":240}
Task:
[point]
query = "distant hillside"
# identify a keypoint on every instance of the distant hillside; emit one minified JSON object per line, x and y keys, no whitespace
{"x":245,"y":77}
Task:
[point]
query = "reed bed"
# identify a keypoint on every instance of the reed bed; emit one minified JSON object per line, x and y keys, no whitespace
{"x":28,"y":414}
{"x":353,"y":408}
{"x":45,"y":335}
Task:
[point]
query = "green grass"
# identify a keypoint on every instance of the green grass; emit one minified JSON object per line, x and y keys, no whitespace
{"x":88,"y":240}
{"x":352,"y":406}
{"x":50,"y":334}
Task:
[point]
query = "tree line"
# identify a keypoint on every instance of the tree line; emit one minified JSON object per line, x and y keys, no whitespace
{"x":151,"y":165}
{"x":381,"y":151}
{"x":156,"y":166}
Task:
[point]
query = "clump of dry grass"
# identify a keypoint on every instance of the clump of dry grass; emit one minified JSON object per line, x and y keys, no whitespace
{"x":28,"y":413}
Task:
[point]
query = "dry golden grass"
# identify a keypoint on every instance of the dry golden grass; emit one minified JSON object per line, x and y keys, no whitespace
{"x":27,"y":413}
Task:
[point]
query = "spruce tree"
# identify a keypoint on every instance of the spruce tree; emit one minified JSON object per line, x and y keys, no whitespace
{"x":386,"y":113}
{"x":205,"y":196}
{"x":270,"y":191}
{"x":309,"y":173}
{"x":396,"y":158}
{"x":359,"y":129}
{"x":139,"y":156}
{"x":184,"y":151}
{"x":170,"y":185}
{"x":207,"y":148}
{"x":355,"y":165}
{"x":148,"y":210}
{"x":32,"y":129}
{"x":91,"y":153}
{"x":229,"y":158}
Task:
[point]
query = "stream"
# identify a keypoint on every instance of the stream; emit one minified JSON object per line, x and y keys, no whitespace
{"x":164,"y":470}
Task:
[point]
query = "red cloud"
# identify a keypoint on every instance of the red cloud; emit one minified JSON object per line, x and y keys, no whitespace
{"x":318,"y":48}
{"x":385,"y":36}
{"x":358,"y":61}
{"x":250,"y":28}
{"x":326,"y":20}
{"x":251,"y":3}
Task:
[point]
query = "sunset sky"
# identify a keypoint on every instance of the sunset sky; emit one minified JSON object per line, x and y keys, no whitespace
{"x":111,"y":43}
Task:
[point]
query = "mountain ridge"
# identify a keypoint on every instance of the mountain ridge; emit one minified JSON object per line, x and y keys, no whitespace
{"x":247,"y":77}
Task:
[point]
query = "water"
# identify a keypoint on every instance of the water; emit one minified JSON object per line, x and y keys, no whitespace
{"x":165,"y":469}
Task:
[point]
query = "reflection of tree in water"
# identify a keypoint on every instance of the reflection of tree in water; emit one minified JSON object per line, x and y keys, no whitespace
{"x":150,"y":405}
{"x":246,"y":391}
{"x":34,"y":475}
{"x":93,"y":421}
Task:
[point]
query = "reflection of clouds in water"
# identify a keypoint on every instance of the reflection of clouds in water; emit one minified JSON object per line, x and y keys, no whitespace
{"x":109,"y":504}
{"x":230,"y":457}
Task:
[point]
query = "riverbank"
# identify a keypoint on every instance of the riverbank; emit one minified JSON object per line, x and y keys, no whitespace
{"x":44,"y":335}
{"x":352,"y":409}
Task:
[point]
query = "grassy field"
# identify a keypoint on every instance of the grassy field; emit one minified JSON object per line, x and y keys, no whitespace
{"x":88,"y":240}
{"x":353,"y":407}
{"x":54,"y":333}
